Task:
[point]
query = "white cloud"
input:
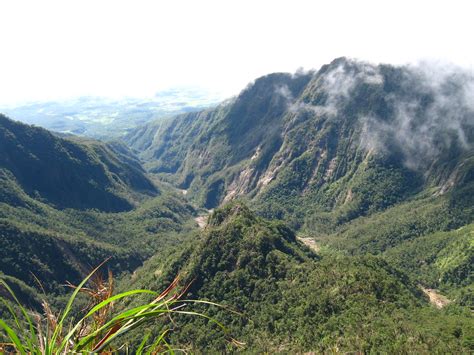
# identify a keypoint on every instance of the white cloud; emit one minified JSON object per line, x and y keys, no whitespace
{"x":438,"y":118}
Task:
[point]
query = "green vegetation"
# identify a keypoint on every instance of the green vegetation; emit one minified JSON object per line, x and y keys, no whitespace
{"x":429,"y":238}
{"x":292,"y":299}
{"x":97,"y":328}
{"x":441,"y":260}
{"x":372,"y":165}
{"x":48,"y":245}
{"x":70,"y":173}
{"x":40,"y":242}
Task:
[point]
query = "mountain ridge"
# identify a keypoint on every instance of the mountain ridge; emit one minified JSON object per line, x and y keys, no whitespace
{"x":318,"y":133}
{"x":374,"y":165}
{"x":71,"y":172}
{"x":363,"y":159}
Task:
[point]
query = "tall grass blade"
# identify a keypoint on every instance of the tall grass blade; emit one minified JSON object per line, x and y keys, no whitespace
{"x":139,"y":350}
{"x":23,"y":311}
{"x":157,"y":342}
{"x":12,"y":312}
{"x":68,"y":308}
{"x":13,"y":337}
{"x":102,"y":305}
{"x":114,"y":298}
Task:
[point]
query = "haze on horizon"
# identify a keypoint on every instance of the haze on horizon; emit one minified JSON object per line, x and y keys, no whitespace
{"x":57,"y":49}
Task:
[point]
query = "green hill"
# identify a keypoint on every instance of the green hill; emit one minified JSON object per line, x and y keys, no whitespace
{"x":67,"y":204}
{"x":70,"y":172}
{"x":372,"y":166}
{"x":294,"y":300}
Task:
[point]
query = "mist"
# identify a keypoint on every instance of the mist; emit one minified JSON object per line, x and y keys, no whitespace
{"x":433,"y":115}
{"x":429,"y":107}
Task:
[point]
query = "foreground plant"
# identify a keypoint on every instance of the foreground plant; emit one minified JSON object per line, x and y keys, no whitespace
{"x":96,"y":331}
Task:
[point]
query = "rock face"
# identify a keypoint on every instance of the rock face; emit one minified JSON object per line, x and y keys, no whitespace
{"x":350,"y":136}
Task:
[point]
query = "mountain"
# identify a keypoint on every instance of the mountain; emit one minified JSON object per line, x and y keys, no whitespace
{"x":109,"y":118}
{"x":342,"y":213}
{"x":352,"y":137}
{"x":293,"y":300}
{"x":211,"y":144}
{"x":69,"y":172}
{"x":360,"y":158}
{"x":67,"y":204}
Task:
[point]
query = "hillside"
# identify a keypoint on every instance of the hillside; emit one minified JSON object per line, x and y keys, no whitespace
{"x":340,"y":201}
{"x":350,"y":139}
{"x":361,"y":160}
{"x":66,"y":205}
{"x":69,"y":172}
{"x":292,"y":299}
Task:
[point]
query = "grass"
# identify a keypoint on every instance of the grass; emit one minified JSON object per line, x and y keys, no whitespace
{"x":99,"y":327}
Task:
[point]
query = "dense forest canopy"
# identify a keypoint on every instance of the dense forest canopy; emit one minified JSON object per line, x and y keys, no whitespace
{"x":332,"y":209}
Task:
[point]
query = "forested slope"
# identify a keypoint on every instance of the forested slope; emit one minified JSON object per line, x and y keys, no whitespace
{"x":70,"y":172}
{"x":67,"y":204}
{"x":293,"y":300}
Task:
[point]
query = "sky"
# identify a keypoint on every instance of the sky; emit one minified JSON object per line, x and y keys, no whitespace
{"x":54,"y":50}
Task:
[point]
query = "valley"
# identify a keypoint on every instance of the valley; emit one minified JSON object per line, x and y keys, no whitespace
{"x":333,"y":210}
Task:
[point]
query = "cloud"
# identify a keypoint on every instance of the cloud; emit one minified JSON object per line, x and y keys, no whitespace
{"x":337,"y":84}
{"x":340,"y":81}
{"x":285,"y":92}
{"x":432,"y":115}
{"x":429,"y":107}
